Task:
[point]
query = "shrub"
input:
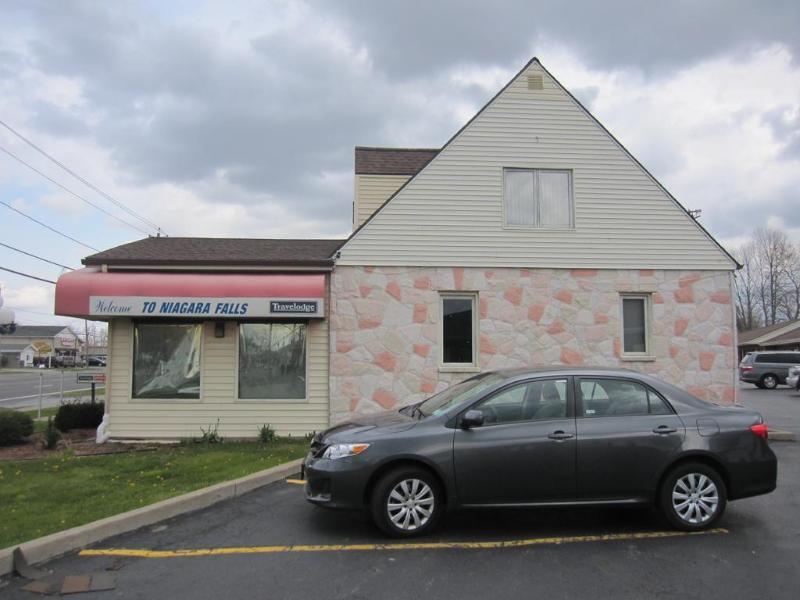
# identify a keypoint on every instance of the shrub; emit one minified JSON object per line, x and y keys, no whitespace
{"x":15,"y":426}
{"x":210,"y":435}
{"x":266,"y":434}
{"x":51,"y":435}
{"x":79,"y":415}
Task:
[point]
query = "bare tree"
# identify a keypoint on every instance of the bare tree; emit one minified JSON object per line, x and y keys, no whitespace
{"x":772,"y":254}
{"x":790,"y":302}
{"x":747,"y":285}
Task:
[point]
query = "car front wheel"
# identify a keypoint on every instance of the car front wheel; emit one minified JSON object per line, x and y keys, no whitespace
{"x":693,"y":497}
{"x":407,"y":502}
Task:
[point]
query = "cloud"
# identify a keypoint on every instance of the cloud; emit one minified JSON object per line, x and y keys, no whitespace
{"x":240,"y":118}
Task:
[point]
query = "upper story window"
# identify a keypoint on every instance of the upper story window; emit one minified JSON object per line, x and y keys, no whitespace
{"x":540,"y":198}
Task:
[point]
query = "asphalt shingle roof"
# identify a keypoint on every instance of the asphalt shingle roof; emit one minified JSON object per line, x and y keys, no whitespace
{"x":752,"y":334}
{"x":44,"y":331}
{"x":392,"y":161}
{"x":219,"y":251}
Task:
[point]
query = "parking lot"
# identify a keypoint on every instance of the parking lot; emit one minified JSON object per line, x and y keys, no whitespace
{"x":272,"y":544}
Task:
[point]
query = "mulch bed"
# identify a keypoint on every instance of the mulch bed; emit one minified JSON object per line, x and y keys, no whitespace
{"x":81,"y":442}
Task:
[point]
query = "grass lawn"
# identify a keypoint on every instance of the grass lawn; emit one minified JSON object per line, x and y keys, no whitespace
{"x":39,"y":497}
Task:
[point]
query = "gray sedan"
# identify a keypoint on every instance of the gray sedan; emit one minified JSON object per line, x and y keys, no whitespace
{"x":544,"y":437}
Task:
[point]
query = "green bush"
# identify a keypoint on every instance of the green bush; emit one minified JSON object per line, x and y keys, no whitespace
{"x":266,"y":434}
{"x":210,"y":435}
{"x":79,"y":415}
{"x":15,"y":426}
{"x":51,"y":435}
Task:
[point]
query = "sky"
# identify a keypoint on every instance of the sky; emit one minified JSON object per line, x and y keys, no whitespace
{"x":239,"y":118}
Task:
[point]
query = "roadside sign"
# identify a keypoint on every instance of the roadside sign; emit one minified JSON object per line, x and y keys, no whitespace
{"x":91,"y":377}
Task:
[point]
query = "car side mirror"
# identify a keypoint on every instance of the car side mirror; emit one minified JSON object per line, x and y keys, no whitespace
{"x":472,"y":418}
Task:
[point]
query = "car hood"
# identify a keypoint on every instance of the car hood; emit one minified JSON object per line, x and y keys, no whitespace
{"x":390,"y":421}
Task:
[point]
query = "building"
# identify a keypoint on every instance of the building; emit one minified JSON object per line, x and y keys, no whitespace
{"x":531,"y":237}
{"x":29,"y":345}
{"x":780,"y":336}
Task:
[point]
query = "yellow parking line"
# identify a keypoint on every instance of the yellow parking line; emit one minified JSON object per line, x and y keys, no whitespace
{"x":611,"y":537}
{"x":296,"y":481}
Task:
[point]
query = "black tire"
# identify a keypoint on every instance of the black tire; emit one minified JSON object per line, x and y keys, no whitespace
{"x":759,"y":385}
{"x":688,"y":519}
{"x":382,"y":493}
{"x":769,"y":381}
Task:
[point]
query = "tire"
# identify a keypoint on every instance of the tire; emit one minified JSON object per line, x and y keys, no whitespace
{"x":769,"y":381}
{"x":408,"y":484}
{"x":684,"y":481}
{"x":759,"y":385}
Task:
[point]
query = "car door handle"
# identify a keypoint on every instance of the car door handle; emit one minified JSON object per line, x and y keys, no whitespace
{"x":664,"y":429}
{"x":560,"y":435}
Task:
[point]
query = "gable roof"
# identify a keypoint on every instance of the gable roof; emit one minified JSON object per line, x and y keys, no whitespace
{"x":392,"y":161}
{"x":531,"y":62}
{"x":770,"y":334}
{"x":194,"y":251}
{"x":44,"y":331}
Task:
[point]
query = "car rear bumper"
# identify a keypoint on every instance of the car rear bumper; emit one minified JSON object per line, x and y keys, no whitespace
{"x":791,"y":380}
{"x":339,"y":483}
{"x":754,"y":477}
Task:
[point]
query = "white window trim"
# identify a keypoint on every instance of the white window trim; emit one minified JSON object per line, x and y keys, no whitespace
{"x":474,"y":366}
{"x":269,"y":400}
{"x":131,"y":351}
{"x":647,"y":355}
{"x":537,"y":226}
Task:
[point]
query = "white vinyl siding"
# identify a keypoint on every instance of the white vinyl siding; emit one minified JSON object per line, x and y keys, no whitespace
{"x":537,"y":198}
{"x":451,"y":213}
{"x":142,"y":418}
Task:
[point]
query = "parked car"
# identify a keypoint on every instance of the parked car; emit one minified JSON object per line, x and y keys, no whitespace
{"x":541,"y":437}
{"x":793,"y":378}
{"x":767,"y":369}
{"x":96,"y":361}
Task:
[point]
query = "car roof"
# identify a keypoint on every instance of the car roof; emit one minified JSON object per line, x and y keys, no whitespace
{"x":520,"y":372}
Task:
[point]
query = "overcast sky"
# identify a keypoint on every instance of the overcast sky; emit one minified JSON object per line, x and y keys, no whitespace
{"x":239,"y":118}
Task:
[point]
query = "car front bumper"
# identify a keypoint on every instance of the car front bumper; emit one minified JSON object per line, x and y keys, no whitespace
{"x":339,"y":483}
{"x":791,"y":380}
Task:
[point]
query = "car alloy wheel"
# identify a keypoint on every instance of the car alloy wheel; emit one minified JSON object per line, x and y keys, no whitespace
{"x":769,"y":381}
{"x":407,"y":501}
{"x":410,"y":504}
{"x":695,"y":498}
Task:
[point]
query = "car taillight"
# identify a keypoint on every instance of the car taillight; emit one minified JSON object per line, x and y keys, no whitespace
{"x":746,"y":368}
{"x":761,"y":430}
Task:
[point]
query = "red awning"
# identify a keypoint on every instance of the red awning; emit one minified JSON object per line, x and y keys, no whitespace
{"x":95,"y":294}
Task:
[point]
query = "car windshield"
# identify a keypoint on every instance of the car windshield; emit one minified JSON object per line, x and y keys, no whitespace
{"x":458,"y":393}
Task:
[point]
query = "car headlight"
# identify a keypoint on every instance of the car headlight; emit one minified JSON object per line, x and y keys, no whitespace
{"x":335,"y":451}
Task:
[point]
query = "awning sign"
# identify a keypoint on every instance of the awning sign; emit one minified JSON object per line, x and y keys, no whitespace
{"x":211,"y":308}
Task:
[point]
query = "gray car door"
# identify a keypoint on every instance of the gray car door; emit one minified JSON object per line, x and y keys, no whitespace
{"x":627,"y":434}
{"x":525,"y":450}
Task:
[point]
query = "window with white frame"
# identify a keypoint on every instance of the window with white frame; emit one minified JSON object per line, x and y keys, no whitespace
{"x":635,"y":325}
{"x":166,"y":360}
{"x":458,"y":329}
{"x":538,"y":198}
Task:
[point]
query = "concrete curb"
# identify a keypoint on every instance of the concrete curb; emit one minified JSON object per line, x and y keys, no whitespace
{"x":779,"y":435}
{"x":49,"y":547}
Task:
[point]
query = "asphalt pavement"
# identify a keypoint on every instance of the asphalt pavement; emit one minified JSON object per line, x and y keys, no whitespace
{"x":20,"y":389}
{"x":779,"y":407}
{"x":284,"y":548}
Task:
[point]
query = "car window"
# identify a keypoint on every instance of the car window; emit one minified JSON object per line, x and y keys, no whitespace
{"x":467,"y":390}
{"x":532,"y":401}
{"x":765,"y":358}
{"x":617,"y":397}
{"x":748,"y":358}
{"x":790,"y":358}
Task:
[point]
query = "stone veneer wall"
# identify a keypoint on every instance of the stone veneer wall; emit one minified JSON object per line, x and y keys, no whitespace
{"x":385,"y":328}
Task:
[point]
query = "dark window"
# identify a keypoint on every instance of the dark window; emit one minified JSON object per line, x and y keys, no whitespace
{"x":617,"y":397}
{"x":533,"y":401}
{"x":272,"y":361}
{"x":764,"y":358}
{"x":791,"y":358}
{"x":166,"y":360}
{"x":457,"y":325}
{"x":634,"y":324}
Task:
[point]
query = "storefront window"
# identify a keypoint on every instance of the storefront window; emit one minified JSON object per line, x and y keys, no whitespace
{"x":166,"y":360}
{"x":272,"y":361}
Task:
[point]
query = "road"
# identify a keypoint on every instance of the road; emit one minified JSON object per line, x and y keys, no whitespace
{"x":21,"y":389}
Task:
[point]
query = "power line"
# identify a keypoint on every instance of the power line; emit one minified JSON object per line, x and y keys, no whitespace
{"x":38,"y":257}
{"x":26,"y":275}
{"x":69,"y":191}
{"x":87,"y":183}
{"x":48,"y":227}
